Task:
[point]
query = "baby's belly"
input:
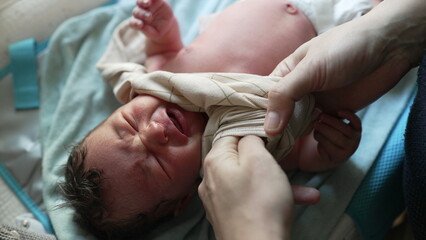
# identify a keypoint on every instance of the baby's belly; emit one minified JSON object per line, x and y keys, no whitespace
{"x":221,"y":59}
{"x":252,"y":36}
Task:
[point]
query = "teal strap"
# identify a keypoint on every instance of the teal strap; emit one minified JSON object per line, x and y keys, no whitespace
{"x":8,"y":69}
{"x":4,"y":71}
{"x":41,"y":46}
{"x":25,"y":199}
{"x":23,"y":56}
{"x":23,"y":66}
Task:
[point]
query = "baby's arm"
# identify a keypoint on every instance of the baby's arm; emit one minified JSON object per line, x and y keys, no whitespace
{"x":330,"y":143}
{"x":156,"y":20}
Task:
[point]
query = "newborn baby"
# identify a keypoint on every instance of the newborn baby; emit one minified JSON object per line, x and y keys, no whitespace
{"x":142,"y":164}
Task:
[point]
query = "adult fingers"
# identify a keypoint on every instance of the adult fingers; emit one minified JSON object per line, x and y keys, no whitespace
{"x":290,"y":62}
{"x":224,"y":149}
{"x":253,"y":147}
{"x":221,"y":157}
{"x":295,"y":83}
{"x":305,"y":195}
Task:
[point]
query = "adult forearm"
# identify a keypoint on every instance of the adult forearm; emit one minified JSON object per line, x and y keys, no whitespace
{"x":392,"y":39}
{"x":401,"y":26}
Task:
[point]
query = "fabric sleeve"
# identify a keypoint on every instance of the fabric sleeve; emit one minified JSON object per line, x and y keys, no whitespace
{"x":125,"y":53}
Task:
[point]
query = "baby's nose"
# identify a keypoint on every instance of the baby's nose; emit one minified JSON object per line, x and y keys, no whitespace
{"x":154,"y":133}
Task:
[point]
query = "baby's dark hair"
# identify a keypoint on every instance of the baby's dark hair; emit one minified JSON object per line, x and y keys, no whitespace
{"x":82,"y":188}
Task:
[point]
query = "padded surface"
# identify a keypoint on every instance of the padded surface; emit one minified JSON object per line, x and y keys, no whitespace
{"x":10,"y":206}
{"x":14,"y":233}
{"x":20,"y":146}
{"x":44,"y":17}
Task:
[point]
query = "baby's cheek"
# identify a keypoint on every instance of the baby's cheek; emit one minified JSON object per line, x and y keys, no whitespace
{"x":192,"y":158}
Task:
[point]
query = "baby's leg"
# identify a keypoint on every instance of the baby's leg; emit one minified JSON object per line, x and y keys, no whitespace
{"x":156,"y":20}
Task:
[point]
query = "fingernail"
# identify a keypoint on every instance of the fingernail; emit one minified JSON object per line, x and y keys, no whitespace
{"x":272,"y":121}
{"x":136,"y":22}
{"x":147,"y":14}
{"x":315,"y":114}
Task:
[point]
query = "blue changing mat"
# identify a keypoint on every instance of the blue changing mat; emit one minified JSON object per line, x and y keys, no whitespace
{"x":379,"y":199}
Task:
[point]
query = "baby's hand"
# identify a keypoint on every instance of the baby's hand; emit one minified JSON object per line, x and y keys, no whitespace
{"x":337,"y":140}
{"x":154,"y":18}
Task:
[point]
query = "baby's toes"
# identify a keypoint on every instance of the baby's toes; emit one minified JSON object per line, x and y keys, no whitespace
{"x":144,"y":3}
{"x":136,"y":23}
{"x":142,"y":14}
{"x":151,"y":4}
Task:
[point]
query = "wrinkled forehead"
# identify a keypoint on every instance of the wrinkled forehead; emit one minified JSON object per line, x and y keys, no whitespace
{"x":95,"y":143}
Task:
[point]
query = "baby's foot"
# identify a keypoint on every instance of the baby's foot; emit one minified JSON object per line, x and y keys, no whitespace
{"x":156,"y":20}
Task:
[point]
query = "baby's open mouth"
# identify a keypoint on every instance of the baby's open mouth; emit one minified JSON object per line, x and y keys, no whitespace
{"x":175,"y":122}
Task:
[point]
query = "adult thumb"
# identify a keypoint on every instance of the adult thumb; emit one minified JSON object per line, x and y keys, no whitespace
{"x":288,"y":90}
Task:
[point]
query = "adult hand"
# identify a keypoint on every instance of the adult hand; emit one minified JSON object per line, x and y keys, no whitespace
{"x":245,"y":192}
{"x":386,"y":43}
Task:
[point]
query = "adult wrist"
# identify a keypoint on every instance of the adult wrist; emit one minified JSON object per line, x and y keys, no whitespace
{"x":253,"y":228}
{"x":401,"y":28}
{"x":258,"y":232}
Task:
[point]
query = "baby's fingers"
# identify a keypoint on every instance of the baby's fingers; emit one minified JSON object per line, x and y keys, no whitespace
{"x":331,"y":154}
{"x":328,"y":133}
{"x":327,"y":144}
{"x":354,"y":121}
{"x":336,"y":124}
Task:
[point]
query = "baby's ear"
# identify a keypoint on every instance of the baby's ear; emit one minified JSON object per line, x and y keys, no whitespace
{"x":181,"y":204}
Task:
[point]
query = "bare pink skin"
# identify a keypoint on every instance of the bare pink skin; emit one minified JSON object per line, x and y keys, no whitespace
{"x":250,"y":36}
{"x":149,"y":151}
